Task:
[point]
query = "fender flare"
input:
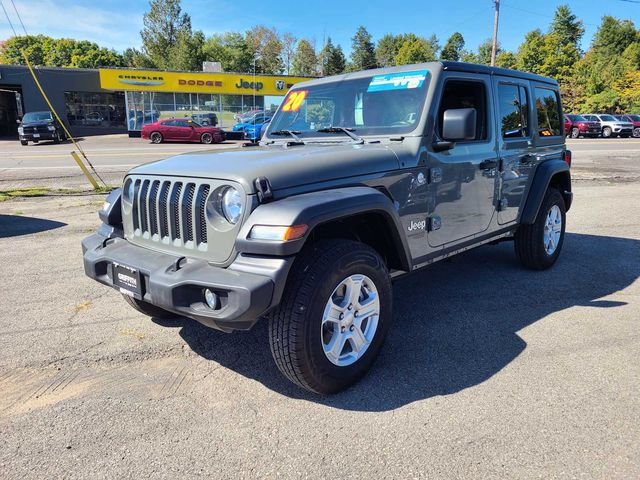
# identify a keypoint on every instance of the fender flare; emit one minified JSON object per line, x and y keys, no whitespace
{"x":314,"y":209}
{"x":541,"y":180}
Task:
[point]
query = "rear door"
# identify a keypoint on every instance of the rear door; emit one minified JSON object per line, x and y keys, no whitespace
{"x":516,"y":150}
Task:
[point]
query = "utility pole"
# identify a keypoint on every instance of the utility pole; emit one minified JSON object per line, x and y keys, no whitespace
{"x":494,"y":47}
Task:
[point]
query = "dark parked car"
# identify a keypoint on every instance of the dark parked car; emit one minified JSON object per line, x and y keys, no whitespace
{"x":36,"y":126}
{"x":181,"y":130}
{"x":634,"y":120}
{"x":358,"y":180}
{"x":577,"y":126}
{"x":205,"y":119}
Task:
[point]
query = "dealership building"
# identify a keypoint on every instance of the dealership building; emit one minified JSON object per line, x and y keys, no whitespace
{"x":103,"y":101}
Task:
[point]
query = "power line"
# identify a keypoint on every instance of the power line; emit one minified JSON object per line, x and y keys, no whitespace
{"x":19,"y":17}
{"x":8,"y":19}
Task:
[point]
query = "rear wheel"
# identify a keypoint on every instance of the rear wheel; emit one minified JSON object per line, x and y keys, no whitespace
{"x":148,"y":309}
{"x":333,"y":317}
{"x":155,"y":137}
{"x":575,"y":132}
{"x":206,"y":138}
{"x":538,"y":245}
{"x":606,"y":132}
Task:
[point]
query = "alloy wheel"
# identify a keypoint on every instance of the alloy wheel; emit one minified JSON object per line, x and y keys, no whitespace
{"x":552,"y":229}
{"x":350,"y":320}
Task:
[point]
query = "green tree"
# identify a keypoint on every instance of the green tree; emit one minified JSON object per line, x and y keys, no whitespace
{"x":332,"y":59}
{"x":566,"y":26}
{"x":507,"y":60}
{"x":305,"y":60}
{"x":231,"y":50}
{"x":387,"y":49}
{"x":484,"y":52}
{"x":363,"y":55}
{"x":289,"y":43}
{"x":164,"y":26}
{"x":136,"y":59}
{"x":188,"y":52}
{"x":417,"y":50}
{"x":266,"y":46}
{"x":614,"y":36}
{"x":452,"y":50}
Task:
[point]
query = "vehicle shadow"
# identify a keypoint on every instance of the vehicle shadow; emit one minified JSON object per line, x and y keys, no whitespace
{"x":16,"y":225}
{"x":48,"y":143}
{"x":456,"y":323}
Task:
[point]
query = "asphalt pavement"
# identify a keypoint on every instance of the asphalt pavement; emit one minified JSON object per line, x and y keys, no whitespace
{"x":489,"y":371}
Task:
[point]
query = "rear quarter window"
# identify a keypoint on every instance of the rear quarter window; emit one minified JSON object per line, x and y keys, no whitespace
{"x":548,"y":112}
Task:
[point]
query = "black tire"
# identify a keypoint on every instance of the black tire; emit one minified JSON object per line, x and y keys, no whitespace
{"x":156,"y":137}
{"x":56,"y":137}
{"x":206,"y":138}
{"x":529,"y":239}
{"x":148,"y":309}
{"x":24,"y":142}
{"x":607,"y":132}
{"x":636,"y":132}
{"x":295,"y":327}
{"x":575,"y":132}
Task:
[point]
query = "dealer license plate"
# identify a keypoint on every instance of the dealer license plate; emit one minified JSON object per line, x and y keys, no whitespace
{"x":127,"y":280}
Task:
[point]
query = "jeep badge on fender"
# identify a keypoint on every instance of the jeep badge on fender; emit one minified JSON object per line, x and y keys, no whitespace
{"x":359,"y":179}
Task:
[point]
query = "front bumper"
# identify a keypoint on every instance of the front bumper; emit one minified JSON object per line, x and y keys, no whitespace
{"x":247,"y":289}
{"x":35,"y":137}
{"x":623,"y":130}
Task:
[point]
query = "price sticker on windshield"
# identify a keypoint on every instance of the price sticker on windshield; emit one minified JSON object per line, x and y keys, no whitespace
{"x":294,"y":101}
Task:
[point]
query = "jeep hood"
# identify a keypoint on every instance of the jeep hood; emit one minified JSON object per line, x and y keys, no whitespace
{"x":285,"y":167}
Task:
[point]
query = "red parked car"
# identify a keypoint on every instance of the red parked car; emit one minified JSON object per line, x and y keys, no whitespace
{"x":181,"y":130}
{"x":576,"y":126}
{"x":635,"y":119}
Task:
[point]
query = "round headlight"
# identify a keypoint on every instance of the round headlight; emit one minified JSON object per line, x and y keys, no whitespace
{"x":232,"y":205}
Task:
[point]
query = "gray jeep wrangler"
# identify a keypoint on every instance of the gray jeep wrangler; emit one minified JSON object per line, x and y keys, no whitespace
{"x":359,"y":179}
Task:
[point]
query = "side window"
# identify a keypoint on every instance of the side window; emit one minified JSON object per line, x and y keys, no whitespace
{"x":181,"y":123}
{"x":466,"y":94}
{"x":513,"y":111}
{"x":168,"y":123}
{"x":548,"y":111}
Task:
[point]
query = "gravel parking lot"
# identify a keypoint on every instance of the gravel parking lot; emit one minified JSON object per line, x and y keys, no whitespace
{"x":490,"y":371}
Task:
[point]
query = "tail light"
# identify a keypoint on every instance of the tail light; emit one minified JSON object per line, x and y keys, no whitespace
{"x":567,"y":157}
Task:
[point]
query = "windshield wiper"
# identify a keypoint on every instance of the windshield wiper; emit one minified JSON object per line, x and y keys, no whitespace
{"x":348,"y":131}
{"x":291,"y":133}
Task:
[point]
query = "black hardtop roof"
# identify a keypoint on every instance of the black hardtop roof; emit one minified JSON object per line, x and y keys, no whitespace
{"x":444,"y":65}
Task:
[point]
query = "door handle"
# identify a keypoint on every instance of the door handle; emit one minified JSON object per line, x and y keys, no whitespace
{"x":488,"y":164}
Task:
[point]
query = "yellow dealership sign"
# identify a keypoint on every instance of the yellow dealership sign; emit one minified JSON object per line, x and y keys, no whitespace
{"x":190,"y":82}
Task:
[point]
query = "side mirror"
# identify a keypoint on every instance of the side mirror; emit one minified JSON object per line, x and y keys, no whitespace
{"x":459,"y":124}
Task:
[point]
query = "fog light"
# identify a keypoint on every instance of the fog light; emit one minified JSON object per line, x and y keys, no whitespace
{"x":211,"y":299}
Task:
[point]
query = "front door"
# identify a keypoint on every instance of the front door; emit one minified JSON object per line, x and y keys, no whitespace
{"x":462,"y":179}
{"x":515,"y":145}
{"x":182,"y":130}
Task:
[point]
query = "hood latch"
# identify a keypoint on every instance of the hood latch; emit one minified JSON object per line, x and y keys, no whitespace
{"x":263,"y":188}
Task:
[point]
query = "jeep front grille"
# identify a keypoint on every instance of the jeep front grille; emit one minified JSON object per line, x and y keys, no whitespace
{"x":172,"y":211}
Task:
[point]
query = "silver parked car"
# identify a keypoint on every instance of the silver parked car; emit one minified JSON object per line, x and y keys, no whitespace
{"x":611,"y":126}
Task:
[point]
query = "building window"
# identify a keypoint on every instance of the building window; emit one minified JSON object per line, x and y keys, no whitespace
{"x":95,"y":109}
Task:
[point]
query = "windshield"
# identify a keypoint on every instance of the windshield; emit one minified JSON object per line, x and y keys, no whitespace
{"x":577,"y":118}
{"x":373,"y":105}
{"x":37,"y":117}
{"x":608,"y":118}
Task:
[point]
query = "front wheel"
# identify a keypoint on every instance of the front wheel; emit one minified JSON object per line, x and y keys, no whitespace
{"x":333,"y":317}
{"x":24,"y":142}
{"x":538,"y":245}
{"x":575,"y":132}
{"x":636,"y":132}
{"x":606,"y":132}
{"x":206,"y":138}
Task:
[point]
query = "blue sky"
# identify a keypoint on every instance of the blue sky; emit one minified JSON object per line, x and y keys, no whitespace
{"x":116,"y":23}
